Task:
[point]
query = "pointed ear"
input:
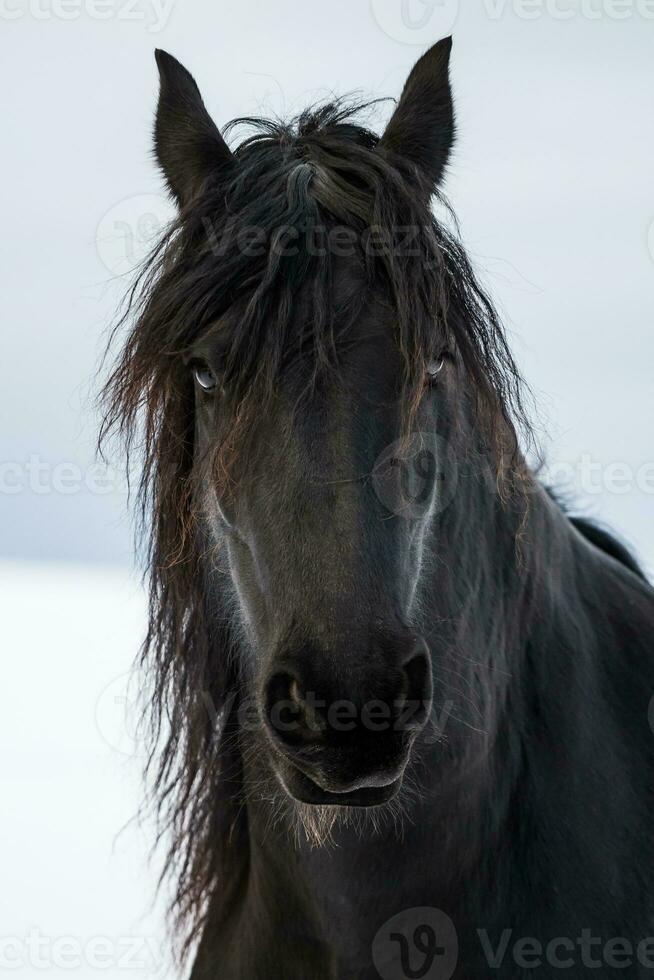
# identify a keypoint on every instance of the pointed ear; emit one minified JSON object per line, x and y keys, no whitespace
{"x":422,"y":127}
{"x":188,"y":144}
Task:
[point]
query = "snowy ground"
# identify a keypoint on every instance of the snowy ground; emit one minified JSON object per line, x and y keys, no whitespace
{"x":77,"y":895}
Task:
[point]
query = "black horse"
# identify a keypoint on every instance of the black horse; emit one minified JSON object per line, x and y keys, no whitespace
{"x":403,"y":698}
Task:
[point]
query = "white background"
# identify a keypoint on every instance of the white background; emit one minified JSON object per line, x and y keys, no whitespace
{"x":552,"y":182}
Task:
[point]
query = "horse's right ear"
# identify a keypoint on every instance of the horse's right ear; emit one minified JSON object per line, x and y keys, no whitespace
{"x":187,"y":142}
{"x":421,"y":129}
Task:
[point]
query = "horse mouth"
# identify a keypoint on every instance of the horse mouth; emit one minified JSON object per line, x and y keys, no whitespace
{"x":304,"y":789}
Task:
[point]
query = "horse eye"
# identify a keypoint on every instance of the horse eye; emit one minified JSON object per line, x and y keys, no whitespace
{"x":205,"y":377}
{"x":434,"y":368}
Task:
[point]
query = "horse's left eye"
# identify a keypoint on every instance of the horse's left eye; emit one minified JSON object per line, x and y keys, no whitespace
{"x":434,"y":368}
{"x":205,"y":377}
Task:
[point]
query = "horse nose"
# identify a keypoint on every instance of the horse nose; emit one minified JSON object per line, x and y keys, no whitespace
{"x":313,"y":699}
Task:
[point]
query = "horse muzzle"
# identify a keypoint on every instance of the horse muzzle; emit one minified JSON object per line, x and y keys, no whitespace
{"x":340,"y":732}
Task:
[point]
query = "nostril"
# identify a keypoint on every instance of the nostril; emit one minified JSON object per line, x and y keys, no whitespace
{"x":283,"y":702}
{"x":295,"y":693}
{"x":417,"y":694}
{"x":279,"y":686}
{"x":289,"y":712}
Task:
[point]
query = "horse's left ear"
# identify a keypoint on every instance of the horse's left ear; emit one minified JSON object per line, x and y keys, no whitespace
{"x":187,"y":142}
{"x":422,"y":127}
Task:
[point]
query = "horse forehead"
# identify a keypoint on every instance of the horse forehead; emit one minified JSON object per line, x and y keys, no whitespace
{"x":338,"y":431}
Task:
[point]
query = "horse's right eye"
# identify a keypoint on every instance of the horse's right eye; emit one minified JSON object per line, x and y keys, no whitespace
{"x":205,"y":377}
